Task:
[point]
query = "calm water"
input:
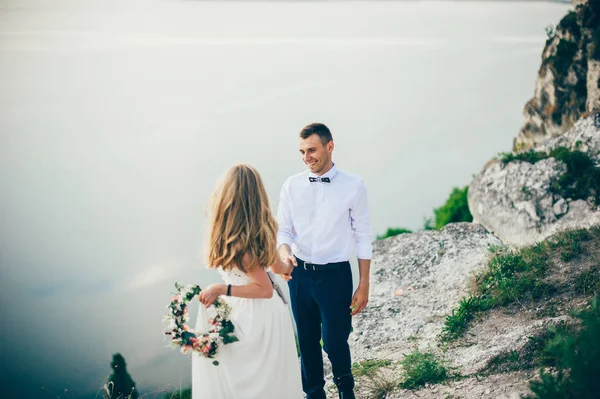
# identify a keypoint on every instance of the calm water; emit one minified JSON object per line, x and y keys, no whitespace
{"x":118,"y":117}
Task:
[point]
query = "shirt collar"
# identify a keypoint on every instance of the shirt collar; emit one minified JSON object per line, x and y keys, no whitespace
{"x":330,"y":173}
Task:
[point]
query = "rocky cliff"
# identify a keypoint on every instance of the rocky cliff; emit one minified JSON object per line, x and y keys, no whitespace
{"x":568,"y":84}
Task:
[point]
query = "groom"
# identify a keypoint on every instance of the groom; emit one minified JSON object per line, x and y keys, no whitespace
{"x":322,"y":213}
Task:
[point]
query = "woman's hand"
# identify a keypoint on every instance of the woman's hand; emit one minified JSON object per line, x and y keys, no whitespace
{"x":287,"y":274}
{"x":210,"y":294}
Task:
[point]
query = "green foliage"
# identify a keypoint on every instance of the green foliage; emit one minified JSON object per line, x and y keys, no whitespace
{"x":428,"y":224}
{"x":569,"y":23}
{"x":580,"y":181}
{"x":514,"y":276}
{"x":533,"y":354}
{"x":456,"y":209}
{"x":379,"y":384}
{"x":185,"y":394}
{"x":422,"y":368}
{"x":526,"y":156}
{"x":120,"y":384}
{"x":562,"y":60}
{"x":595,"y":50}
{"x":511,"y":276}
{"x":577,"y":357}
{"x":369,"y":367}
{"x":588,"y":282}
{"x":391,"y":232}
{"x":517,"y":276}
{"x":458,"y":321}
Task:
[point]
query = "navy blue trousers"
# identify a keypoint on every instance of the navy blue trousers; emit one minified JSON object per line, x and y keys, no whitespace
{"x":321,"y":306}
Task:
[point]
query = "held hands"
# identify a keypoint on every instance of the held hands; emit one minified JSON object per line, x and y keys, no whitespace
{"x":289,"y":262}
{"x":211,"y":293}
{"x":360,"y":299}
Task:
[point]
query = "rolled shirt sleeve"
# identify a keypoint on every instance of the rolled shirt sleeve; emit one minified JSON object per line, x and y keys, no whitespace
{"x":285,"y":233}
{"x":361,"y":224}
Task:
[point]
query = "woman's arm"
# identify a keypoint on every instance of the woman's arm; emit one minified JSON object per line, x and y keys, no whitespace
{"x":260,"y":286}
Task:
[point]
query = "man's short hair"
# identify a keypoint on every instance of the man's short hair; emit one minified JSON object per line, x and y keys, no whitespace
{"x":319,"y":129}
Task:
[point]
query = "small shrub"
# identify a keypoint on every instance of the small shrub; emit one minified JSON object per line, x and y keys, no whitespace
{"x":379,"y":383}
{"x":533,"y":354}
{"x":422,"y":368}
{"x":369,"y":367}
{"x":456,"y":209}
{"x":569,"y":23}
{"x":562,"y":60}
{"x":577,"y":356}
{"x":391,"y":232}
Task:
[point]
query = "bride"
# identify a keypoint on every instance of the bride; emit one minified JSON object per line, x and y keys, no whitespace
{"x":241,"y":245}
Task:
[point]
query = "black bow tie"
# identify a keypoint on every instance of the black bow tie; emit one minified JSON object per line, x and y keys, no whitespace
{"x":321,"y":179}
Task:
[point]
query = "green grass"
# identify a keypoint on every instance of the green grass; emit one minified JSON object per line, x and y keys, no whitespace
{"x":533,"y":354}
{"x":422,"y":368}
{"x":511,"y":276}
{"x":184,"y":394}
{"x":577,"y":360}
{"x":517,"y":277}
{"x":379,"y":384}
{"x":392,"y":231}
{"x":369,"y":367}
{"x":460,"y":319}
{"x":588,"y":282}
{"x":580,"y":181}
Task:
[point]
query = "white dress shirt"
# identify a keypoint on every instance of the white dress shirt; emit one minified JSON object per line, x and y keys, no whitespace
{"x":320,"y":221}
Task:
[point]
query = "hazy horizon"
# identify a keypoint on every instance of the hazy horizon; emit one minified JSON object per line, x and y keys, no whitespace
{"x":118,"y":118}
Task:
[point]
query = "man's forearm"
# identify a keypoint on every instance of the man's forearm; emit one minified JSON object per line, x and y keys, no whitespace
{"x":364,"y":266}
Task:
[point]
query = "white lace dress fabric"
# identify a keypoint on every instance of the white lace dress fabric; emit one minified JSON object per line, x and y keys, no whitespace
{"x":263,"y":364}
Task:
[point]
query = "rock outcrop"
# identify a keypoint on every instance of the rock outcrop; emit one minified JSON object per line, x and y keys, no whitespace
{"x":417,"y":279}
{"x":515,"y":200}
{"x":568,"y":84}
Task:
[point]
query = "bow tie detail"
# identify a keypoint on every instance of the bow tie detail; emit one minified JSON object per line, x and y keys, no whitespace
{"x":321,"y":179}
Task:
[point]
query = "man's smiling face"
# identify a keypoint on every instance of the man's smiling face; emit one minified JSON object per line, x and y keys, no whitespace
{"x":315,"y":154}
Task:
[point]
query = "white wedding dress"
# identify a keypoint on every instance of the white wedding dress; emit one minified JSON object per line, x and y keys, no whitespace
{"x":263,"y":364}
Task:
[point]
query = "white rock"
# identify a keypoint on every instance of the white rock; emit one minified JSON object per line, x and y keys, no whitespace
{"x":525,"y":210}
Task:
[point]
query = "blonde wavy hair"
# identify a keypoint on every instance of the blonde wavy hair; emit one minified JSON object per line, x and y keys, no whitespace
{"x":241,"y":222}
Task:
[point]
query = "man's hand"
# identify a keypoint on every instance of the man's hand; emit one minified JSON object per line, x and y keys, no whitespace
{"x":360,"y":299}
